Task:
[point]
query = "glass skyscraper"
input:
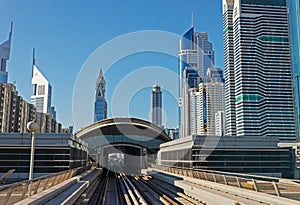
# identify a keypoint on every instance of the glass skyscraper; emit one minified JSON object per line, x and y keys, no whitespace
{"x":4,"y":57}
{"x":258,"y":76}
{"x":294,"y":20}
{"x":156,"y":110}
{"x":100,"y":105}
{"x":195,"y":55}
{"x":190,"y":81}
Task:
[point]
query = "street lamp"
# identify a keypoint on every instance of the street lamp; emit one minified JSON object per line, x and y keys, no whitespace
{"x":32,"y":127}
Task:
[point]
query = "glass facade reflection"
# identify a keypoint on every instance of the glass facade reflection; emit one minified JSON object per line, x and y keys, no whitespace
{"x":251,"y":155}
{"x":100,"y":105}
{"x":54,"y":152}
{"x":294,"y":21}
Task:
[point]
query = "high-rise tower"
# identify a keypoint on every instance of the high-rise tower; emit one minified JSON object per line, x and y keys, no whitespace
{"x":215,"y":97}
{"x":257,"y":69}
{"x":195,"y":53}
{"x":205,"y":53}
{"x":42,"y":90}
{"x":294,"y":20}
{"x":229,"y":67}
{"x":190,"y":81}
{"x":100,"y":105}
{"x":156,"y":110}
{"x":4,"y":57}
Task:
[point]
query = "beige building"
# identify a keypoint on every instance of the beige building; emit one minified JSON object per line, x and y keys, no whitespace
{"x":47,"y":124}
{"x":15,"y":112}
{"x":215,"y":101}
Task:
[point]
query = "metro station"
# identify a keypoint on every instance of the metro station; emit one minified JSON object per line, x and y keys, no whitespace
{"x":130,"y":142}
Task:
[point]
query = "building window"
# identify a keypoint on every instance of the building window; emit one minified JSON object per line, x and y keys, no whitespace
{"x":41,"y":90}
{"x":34,"y":89}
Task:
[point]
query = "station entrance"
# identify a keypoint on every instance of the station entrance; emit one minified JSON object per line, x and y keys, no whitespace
{"x":129,"y":143}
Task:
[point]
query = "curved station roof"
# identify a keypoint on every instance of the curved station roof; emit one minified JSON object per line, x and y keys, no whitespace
{"x":123,"y":131}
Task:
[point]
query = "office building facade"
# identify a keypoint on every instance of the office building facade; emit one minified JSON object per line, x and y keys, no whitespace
{"x":4,"y":57}
{"x":156,"y":108}
{"x":294,"y":22}
{"x":248,"y":154}
{"x":215,"y":101}
{"x":45,"y":115}
{"x":195,"y":53}
{"x":220,"y":123}
{"x":190,"y":81}
{"x":205,"y":54}
{"x":215,"y":97}
{"x":100,"y":105}
{"x":229,"y":67}
{"x":195,"y":111}
{"x":53,"y":153}
{"x":257,"y":69}
{"x":42,"y":90}
{"x":204,"y":101}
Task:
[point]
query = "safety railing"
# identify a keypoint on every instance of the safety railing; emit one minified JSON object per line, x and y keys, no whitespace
{"x":12,"y":193}
{"x":287,"y":189}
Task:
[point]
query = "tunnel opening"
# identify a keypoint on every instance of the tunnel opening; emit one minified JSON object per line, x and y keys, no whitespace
{"x":125,"y":158}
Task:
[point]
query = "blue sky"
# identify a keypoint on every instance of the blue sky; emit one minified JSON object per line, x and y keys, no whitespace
{"x":66,"y":32}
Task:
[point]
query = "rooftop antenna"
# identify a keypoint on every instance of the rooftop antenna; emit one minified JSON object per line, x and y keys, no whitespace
{"x":11,"y":29}
{"x":33,"y":57}
{"x":33,"y":61}
{"x":192,"y":19}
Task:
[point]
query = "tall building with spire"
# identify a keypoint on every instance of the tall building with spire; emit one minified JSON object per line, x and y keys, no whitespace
{"x":4,"y":56}
{"x":195,"y":54}
{"x":45,"y":115}
{"x":156,"y":111}
{"x":100,"y":105}
{"x":42,"y":90}
{"x":258,"y":75}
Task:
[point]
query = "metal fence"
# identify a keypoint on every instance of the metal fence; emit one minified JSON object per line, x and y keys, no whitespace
{"x":12,"y":193}
{"x":288,"y":189}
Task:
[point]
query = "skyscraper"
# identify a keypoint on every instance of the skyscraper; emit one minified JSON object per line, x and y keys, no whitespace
{"x":294,"y":21}
{"x":187,"y":57}
{"x":195,"y":53}
{"x":197,"y":111}
{"x":229,"y":67}
{"x":215,"y":97}
{"x":257,"y":69}
{"x":100,"y":105}
{"x":42,"y":90}
{"x":4,"y":57}
{"x":190,"y":80}
{"x":205,"y":100}
{"x":205,"y":53}
{"x":156,"y":110}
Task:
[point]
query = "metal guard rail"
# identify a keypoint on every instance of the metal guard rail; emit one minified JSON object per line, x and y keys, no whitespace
{"x":282,"y":189}
{"x":12,"y":193}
